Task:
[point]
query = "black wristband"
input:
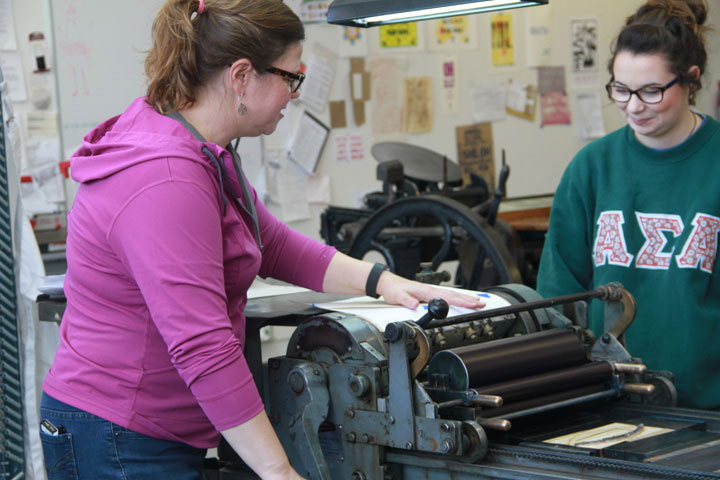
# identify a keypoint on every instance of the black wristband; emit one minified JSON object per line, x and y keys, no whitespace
{"x":372,"y":280}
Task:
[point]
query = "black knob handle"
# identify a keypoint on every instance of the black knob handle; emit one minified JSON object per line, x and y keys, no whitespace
{"x":437,"y":308}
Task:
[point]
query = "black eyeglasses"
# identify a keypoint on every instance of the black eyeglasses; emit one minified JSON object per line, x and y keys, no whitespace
{"x":649,"y":94}
{"x":294,"y":80}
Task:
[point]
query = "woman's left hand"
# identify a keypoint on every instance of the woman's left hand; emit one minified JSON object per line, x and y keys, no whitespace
{"x":400,"y":291}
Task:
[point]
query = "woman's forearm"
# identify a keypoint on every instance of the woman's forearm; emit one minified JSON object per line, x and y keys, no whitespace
{"x":257,"y":444}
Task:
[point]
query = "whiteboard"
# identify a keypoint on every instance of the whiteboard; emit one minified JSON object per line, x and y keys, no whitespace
{"x":99,"y":55}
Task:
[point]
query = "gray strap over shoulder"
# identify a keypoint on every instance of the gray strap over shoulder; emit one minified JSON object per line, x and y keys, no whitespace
{"x":247,"y":204}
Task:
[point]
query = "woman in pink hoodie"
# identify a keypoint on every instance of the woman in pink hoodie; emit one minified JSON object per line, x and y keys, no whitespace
{"x":164,"y":238}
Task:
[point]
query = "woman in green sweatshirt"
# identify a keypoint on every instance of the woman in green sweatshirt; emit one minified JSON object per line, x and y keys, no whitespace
{"x":641,"y":206}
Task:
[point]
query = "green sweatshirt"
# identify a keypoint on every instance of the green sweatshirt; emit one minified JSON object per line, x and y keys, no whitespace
{"x":648,"y":219}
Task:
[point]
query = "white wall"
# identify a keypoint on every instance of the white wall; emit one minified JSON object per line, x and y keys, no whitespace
{"x":537,"y":156}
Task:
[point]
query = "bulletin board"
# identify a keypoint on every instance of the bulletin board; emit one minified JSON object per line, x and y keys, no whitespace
{"x":99,"y":50}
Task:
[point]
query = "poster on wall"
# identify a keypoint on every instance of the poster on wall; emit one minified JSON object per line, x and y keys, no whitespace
{"x":314,"y":11}
{"x":453,"y":33}
{"x":418,"y":104}
{"x":554,"y":107}
{"x":319,"y":77}
{"x":584,"y":50}
{"x":521,"y":100}
{"x":538,"y":36}
{"x":386,"y":85}
{"x":475,"y":152}
{"x":7,"y":26}
{"x":352,"y":42}
{"x":488,"y":102}
{"x":501,"y":38}
{"x":399,"y":35}
{"x":450,"y":92}
{"x":589,"y":114}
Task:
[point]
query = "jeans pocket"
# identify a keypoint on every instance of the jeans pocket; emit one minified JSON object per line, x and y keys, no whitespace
{"x":59,"y":456}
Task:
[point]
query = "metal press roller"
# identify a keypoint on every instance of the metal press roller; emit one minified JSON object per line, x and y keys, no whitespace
{"x":349,"y":401}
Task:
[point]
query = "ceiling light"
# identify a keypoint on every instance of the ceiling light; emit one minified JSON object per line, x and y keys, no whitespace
{"x":371,"y":13}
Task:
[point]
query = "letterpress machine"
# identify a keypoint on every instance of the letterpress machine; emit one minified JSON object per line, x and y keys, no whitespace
{"x":515,"y":392}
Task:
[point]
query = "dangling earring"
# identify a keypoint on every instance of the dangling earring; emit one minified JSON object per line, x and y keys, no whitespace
{"x":242,"y":109}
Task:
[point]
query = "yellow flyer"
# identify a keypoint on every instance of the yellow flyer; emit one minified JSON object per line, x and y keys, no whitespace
{"x":399,"y":35}
{"x":502,"y":39}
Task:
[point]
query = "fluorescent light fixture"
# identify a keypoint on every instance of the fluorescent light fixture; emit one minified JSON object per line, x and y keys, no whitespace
{"x":370,"y":13}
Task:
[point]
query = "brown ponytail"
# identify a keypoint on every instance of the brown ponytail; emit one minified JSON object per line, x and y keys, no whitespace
{"x":672,"y":28}
{"x":189,"y":48}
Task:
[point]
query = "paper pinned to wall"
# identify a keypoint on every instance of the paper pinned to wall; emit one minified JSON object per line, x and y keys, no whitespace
{"x":418,"y":104}
{"x":488,"y":102}
{"x":349,"y":148}
{"x":554,"y":108}
{"x":353,"y":42}
{"x":521,"y":100}
{"x":308,"y":142}
{"x":589,"y":114}
{"x":12,"y":69}
{"x":42,"y":139}
{"x":318,"y":189}
{"x":357,"y":151}
{"x":43,"y":151}
{"x":475,"y":152}
{"x":450,"y":96}
{"x":387,"y":111}
{"x":399,"y":35}
{"x":314,"y":11}
{"x":286,"y":186}
{"x":452,"y":33}
{"x":538,"y":36}
{"x":293,"y":185}
{"x":584,"y":50}
{"x":338,"y":118}
{"x":7,"y":26}
{"x":320,"y":72}
{"x":502,"y":39}
{"x":359,"y":88}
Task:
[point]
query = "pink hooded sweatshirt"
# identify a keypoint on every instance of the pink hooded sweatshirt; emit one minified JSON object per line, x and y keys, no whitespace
{"x":159,"y":263}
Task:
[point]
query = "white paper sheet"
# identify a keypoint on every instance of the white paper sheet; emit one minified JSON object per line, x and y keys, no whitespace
{"x":450,"y":96}
{"x":261,"y":289}
{"x":315,"y":89}
{"x":7,"y":26}
{"x":308,"y":142}
{"x":538,"y":36}
{"x":590,"y":119}
{"x":292,"y":192}
{"x":43,"y":152}
{"x":380,"y":314}
{"x":614,"y":433}
{"x":318,"y":189}
{"x":488,"y":103}
{"x":352,"y":41}
{"x":12,"y":69}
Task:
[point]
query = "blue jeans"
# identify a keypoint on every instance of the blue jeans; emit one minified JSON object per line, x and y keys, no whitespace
{"x":89,"y":447}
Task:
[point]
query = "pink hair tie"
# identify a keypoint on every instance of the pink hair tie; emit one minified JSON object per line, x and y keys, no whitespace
{"x":201,"y":6}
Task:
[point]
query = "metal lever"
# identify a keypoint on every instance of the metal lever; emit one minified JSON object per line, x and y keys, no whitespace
{"x":499,"y":192}
{"x":437,"y":308}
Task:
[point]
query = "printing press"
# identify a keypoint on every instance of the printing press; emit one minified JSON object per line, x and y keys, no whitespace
{"x":514,"y":392}
{"x":425,"y":216}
